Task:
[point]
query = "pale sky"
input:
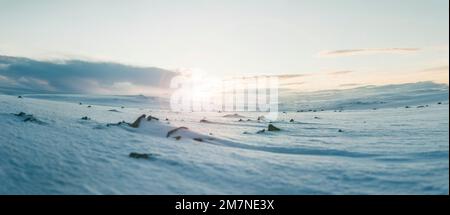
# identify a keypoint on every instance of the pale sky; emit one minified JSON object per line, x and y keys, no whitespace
{"x":334,"y":43}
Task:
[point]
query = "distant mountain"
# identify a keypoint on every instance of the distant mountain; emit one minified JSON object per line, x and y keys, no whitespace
{"x":366,"y":97}
{"x":76,"y":76}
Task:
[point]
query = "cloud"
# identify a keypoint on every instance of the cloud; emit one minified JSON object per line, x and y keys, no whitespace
{"x":282,"y":76}
{"x":76,"y":76}
{"x":353,"y":52}
{"x":289,"y":76}
{"x":293,"y":84}
{"x":350,"y":85}
{"x":343,"y":72}
{"x":444,"y":68}
{"x":34,"y":83}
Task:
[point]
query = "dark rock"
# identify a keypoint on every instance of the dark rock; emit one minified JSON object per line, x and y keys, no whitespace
{"x":316,"y":117}
{"x":420,"y":106}
{"x":198,"y":139}
{"x":174,"y":130}
{"x":177,"y":137}
{"x":340,"y":130}
{"x":139,"y":155}
{"x":117,"y":124}
{"x":406,"y":106}
{"x":89,"y":106}
{"x":85,"y":118}
{"x":204,"y":121}
{"x":114,"y":110}
{"x":234,"y":116}
{"x":149,"y":118}
{"x":20,"y":97}
{"x":80,"y":103}
{"x":136,"y":123}
{"x":28,"y":117}
{"x":240,"y":120}
{"x":273,"y":128}
{"x":292,"y":120}
{"x":20,"y":114}
{"x":261,"y":131}
{"x":439,"y":103}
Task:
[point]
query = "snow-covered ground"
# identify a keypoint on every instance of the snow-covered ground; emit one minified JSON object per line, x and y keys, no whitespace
{"x":387,"y":150}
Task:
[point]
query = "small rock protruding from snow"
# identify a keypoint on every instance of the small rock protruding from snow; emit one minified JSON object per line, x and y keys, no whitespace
{"x":273,"y":128}
{"x":198,"y":139}
{"x":136,"y":123}
{"x":139,"y":155}
{"x":261,"y":131}
{"x":204,"y":120}
{"x":28,"y":117}
{"x":20,"y":114}
{"x":150,"y":117}
{"x":174,"y":130}
{"x":117,"y":124}
{"x":234,"y":116}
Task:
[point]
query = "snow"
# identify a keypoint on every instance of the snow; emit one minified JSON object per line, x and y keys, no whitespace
{"x":390,"y":150}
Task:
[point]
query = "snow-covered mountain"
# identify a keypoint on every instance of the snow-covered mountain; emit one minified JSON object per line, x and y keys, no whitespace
{"x":368,"y":97}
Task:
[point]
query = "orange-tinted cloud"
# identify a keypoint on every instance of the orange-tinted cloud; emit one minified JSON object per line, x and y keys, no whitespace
{"x":352,"y":52}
